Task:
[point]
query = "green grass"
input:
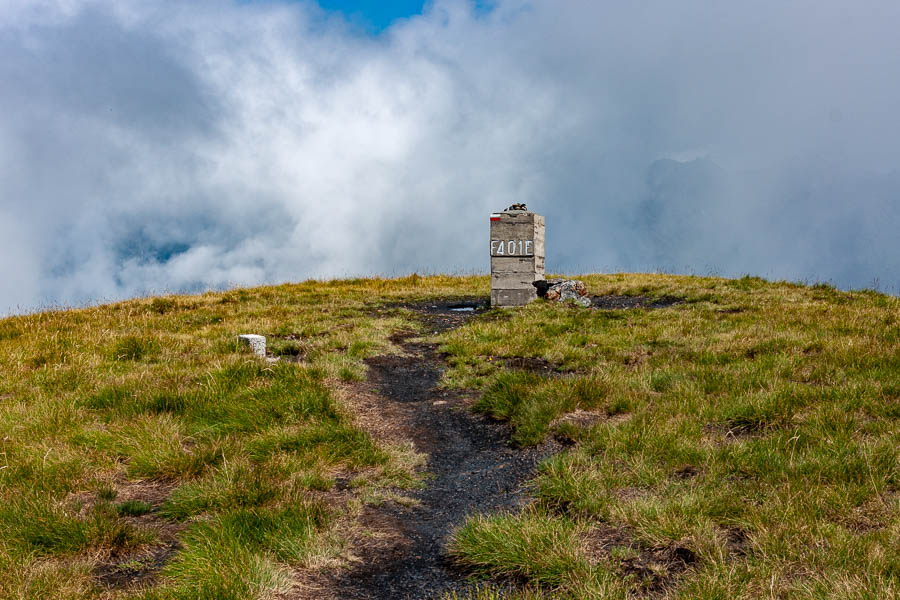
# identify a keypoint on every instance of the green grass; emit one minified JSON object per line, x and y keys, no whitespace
{"x":537,"y":547}
{"x":531,"y":402}
{"x":762,"y":411}
{"x":133,"y":508}
{"x":548,"y":551}
{"x":243,"y":553}
{"x":157,"y":395}
{"x":42,"y":529}
{"x":753,"y":426}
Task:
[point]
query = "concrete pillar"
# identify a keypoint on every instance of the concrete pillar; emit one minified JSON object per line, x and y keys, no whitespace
{"x":517,"y":256}
{"x":257,"y":343}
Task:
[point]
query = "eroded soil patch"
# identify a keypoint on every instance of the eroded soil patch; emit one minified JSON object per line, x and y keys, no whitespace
{"x":141,"y":567}
{"x":724,"y":434}
{"x":612,"y":302}
{"x":534,"y":364}
{"x":653,"y":570}
{"x":135,"y":569}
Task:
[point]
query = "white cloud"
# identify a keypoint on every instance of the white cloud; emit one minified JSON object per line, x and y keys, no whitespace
{"x":165,"y":146}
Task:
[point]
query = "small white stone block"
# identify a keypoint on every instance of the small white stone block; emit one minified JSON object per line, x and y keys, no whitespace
{"x":257,"y":343}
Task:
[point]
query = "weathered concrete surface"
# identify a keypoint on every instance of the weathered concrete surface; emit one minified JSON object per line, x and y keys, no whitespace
{"x":512,"y":297}
{"x":517,"y":256}
{"x":257,"y":343}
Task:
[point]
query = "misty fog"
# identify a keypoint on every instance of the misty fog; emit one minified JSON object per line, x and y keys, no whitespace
{"x":163,"y":146}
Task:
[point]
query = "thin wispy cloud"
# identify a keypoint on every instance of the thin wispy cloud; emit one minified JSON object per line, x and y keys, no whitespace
{"x":179,"y":146}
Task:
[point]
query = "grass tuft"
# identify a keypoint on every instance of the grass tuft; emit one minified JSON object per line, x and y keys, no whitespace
{"x":544,"y":550}
{"x":162,"y":305}
{"x":135,"y":348}
{"x":243,"y":554}
{"x":54,"y":530}
{"x":133,"y":508}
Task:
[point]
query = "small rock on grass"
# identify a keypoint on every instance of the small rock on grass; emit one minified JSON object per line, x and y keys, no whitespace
{"x":257,"y":343}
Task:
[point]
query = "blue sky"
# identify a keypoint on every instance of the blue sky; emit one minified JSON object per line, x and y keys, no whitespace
{"x":377,"y":15}
{"x":374,"y":15}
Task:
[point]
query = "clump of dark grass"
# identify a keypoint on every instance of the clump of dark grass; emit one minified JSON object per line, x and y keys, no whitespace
{"x":106,"y":493}
{"x":197,"y":319}
{"x":287,"y":348}
{"x":109,"y":398}
{"x":747,"y":283}
{"x":165,"y":402}
{"x":9,"y":330}
{"x":162,"y":305}
{"x":133,"y":508}
{"x":227,"y":487}
{"x":135,"y":348}
{"x":54,"y":530}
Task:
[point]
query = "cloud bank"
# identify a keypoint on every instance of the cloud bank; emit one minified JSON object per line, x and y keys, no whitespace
{"x":180,"y":146}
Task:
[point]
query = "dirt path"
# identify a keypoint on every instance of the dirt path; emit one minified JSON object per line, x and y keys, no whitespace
{"x":473,"y":467}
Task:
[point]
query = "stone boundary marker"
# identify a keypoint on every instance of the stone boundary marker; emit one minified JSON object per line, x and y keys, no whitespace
{"x":517,"y":255}
{"x":257,"y":343}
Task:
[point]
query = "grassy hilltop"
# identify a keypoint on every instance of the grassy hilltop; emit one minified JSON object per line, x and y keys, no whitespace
{"x":742,"y":440}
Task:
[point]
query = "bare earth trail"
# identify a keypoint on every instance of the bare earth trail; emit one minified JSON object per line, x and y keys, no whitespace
{"x":472,"y":466}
